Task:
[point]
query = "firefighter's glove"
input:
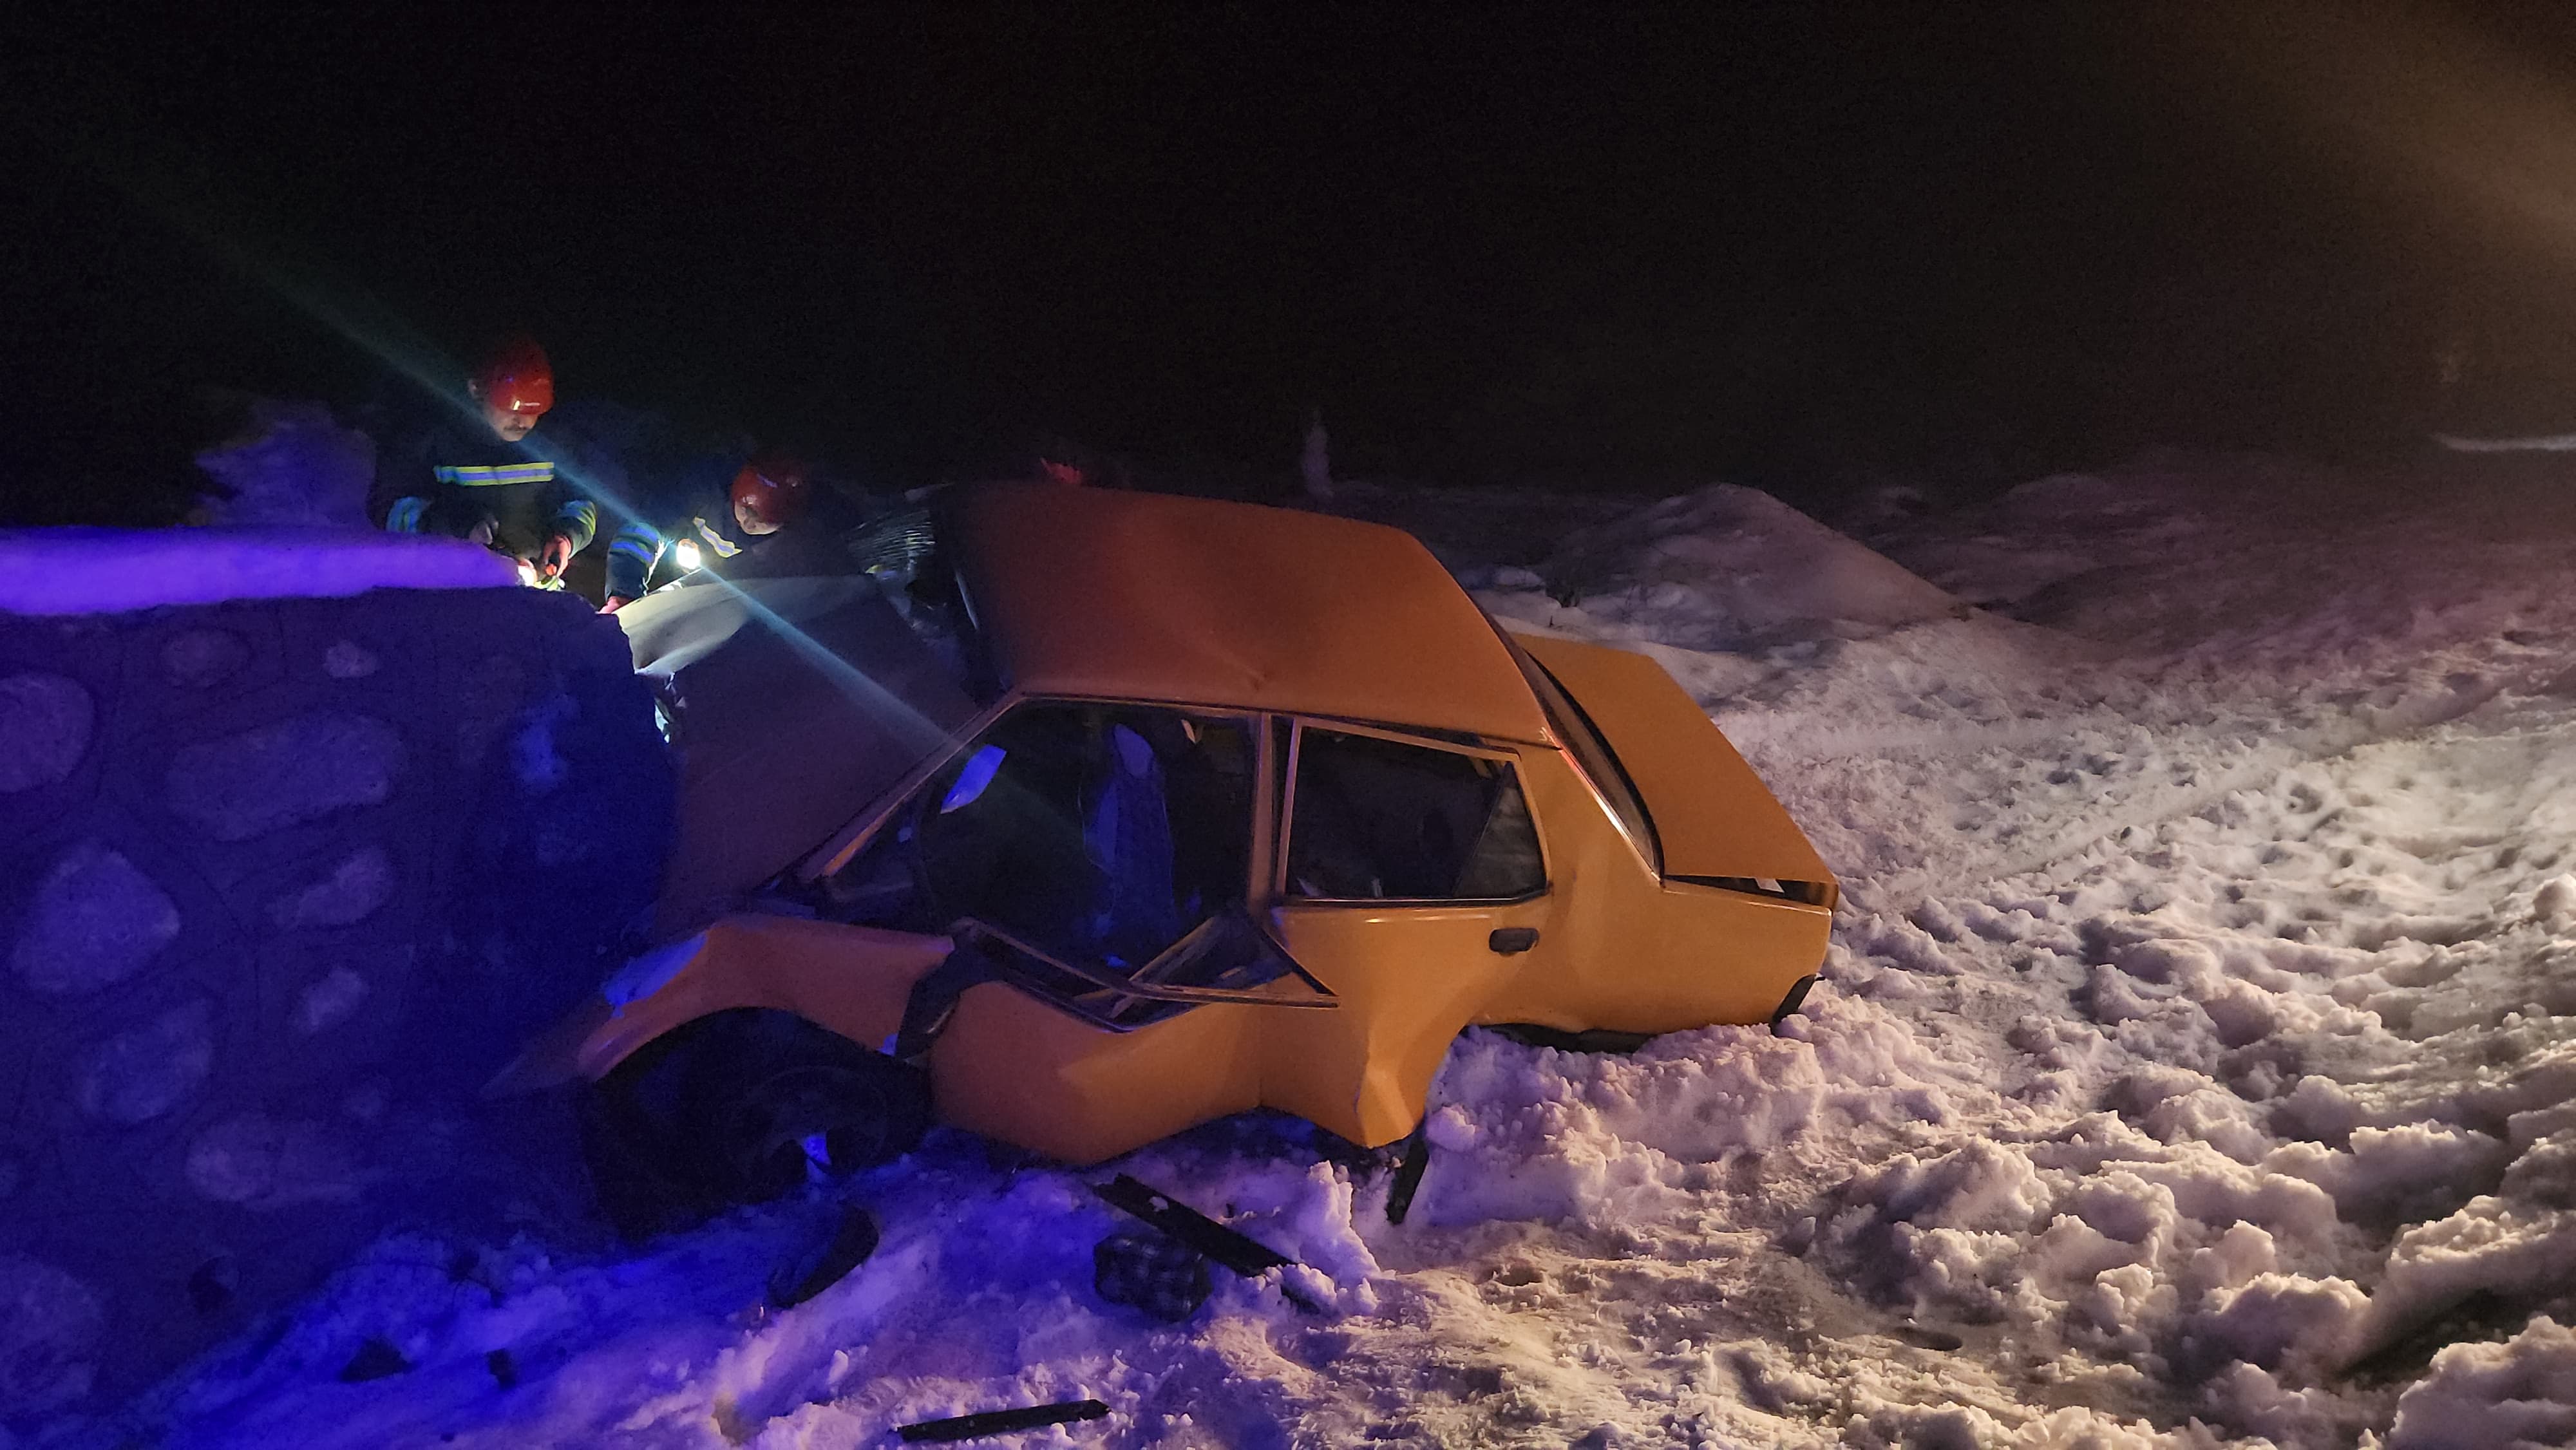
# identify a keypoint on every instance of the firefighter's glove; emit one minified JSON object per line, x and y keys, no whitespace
{"x":557,"y":554}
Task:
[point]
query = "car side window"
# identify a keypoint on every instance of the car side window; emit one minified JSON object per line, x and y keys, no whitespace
{"x":1100,"y":833}
{"x":1372,"y":819}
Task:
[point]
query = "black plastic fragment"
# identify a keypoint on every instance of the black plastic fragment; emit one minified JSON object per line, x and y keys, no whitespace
{"x":1186,"y":1225}
{"x":1925,"y":1336}
{"x":933,"y":1001}
{"x":1790,"y":1004}
{"x":1001,"y":1422}
{"x":818,"y":1269}
{"x":1408,"y":1171}
{"x":1230,"y":1247}
{"x":376,"y":1359}
{"x":1141,"y":1268}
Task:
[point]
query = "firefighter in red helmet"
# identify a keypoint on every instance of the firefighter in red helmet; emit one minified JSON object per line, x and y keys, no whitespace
{"x":479,"y":478}
{"x":514,"y":388}
{"x":767,"y":494}
{"x":716,"y":518}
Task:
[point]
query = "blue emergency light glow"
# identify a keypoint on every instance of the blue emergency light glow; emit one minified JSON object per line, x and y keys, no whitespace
{"x":979,"y":771}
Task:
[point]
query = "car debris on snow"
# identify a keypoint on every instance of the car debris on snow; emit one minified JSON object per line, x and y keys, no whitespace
{"x":1235,"y":1250}
{"x":1002,"y":1422}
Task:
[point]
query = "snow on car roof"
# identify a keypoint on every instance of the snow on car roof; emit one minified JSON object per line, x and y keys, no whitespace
{"x":1092,"y":592}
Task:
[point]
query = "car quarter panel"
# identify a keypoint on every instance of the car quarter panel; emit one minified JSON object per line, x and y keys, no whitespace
{"x":1409,"y":977}
{"x":1640,"y":954}
{"x":1713,"y":816}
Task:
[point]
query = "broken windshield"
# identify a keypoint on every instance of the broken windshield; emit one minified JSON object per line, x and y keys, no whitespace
{"x":1100,"y":852}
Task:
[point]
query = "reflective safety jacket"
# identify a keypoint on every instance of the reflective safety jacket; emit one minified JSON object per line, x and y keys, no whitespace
{"x":694,"y":503}
{"x":458,"y":476}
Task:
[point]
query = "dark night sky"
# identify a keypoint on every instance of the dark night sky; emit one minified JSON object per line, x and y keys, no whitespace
{"x":1779,"y":243}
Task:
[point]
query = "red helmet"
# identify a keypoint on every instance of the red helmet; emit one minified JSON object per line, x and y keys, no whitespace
{"x":516,"y":376}
{"x":773,"y":484}
{"x":1061,"y":460}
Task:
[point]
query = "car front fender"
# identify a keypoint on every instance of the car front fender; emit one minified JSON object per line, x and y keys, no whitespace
{"x":853,"y":980}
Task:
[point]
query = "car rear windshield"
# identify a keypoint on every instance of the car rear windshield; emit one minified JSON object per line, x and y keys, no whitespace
{"x":1592,"y":754}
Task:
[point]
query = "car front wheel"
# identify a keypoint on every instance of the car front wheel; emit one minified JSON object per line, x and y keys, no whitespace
{"x":739,"y":1108}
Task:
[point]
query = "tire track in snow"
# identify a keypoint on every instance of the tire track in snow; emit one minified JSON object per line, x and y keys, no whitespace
{"x":1903,"y":891}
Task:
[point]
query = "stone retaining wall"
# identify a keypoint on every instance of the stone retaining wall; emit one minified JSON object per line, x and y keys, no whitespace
{"x":281,"y":884}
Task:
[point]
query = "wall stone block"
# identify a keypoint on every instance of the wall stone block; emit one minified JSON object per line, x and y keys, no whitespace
{"x":45,"y":723}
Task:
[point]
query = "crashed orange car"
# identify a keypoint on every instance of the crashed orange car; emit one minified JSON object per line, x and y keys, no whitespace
{"x":1109,"y":813}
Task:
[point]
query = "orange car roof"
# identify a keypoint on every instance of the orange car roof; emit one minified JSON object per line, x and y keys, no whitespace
{"x":1142,"y":596}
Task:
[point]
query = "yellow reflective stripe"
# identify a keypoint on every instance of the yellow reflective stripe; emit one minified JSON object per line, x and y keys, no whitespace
{"x":485,"y":475}
{"x":725,"y":548}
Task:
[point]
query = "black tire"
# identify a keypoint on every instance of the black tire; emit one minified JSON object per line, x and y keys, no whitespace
{"x":630,"y":1183}
{"x":717,"y":1114}
{"x":1590,"y":1039}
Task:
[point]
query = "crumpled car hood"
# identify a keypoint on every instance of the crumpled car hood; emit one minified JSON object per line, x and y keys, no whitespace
{"x":794,"y":704}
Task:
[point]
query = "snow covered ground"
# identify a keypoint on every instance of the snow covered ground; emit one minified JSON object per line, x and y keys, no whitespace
{"x":2195,"y":1064}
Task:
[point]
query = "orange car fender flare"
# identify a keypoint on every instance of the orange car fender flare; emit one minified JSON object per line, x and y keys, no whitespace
{"x":774,"y":964}
{"x":595,"y":1037}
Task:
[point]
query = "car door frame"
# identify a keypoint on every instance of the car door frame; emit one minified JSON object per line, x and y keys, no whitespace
{"x":1365,"y":1072}
{"x":1016,"y":1065}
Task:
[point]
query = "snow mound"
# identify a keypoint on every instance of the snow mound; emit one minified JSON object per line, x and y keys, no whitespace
{"x":2494,"y":1396}
{"x":1729,"y":567}
{"x":2062,"y":498}
{"x":294,"y":467}
{"x":1538,"y":1134}
{"x":1798,"y":639}
{"x":112,"y":571}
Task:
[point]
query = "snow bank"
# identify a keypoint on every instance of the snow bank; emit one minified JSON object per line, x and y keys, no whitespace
{"x":295,"y":467}
{"x":1729,"y":567}
{"x":1805,"y":645}
{"x":2521,"y":1393}
{"x":112,"y":571}
{"x":1534,"y":1133}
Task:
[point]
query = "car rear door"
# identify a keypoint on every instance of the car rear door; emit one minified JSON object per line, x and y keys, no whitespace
{"x":1408,"y":878}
